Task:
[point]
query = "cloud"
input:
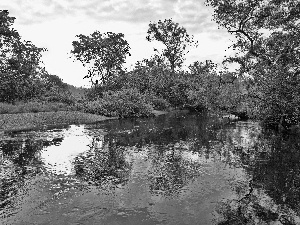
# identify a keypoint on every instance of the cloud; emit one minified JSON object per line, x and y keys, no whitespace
{"x":192,"y":14}
{"x":195,"y":16}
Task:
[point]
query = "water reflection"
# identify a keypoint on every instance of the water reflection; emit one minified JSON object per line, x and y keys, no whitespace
{"x":174,"y":169}
{"x":59,"y":160}
{"x":272,"y":193}
{"x":19,"y":160}
{"x":103,"y":162}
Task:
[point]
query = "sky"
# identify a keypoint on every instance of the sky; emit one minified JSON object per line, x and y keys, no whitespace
{"x":54,"y":24}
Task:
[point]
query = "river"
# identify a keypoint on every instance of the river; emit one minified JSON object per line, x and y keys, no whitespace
{"x":178,"y":168}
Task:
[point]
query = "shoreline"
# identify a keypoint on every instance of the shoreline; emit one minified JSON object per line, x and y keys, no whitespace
{"x":47,"y":120}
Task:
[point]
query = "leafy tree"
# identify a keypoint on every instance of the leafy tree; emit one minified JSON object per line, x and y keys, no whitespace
{"x":150,"y":75}
{"x":267,"y":43}
{"x":19,"y":63}
{"x":102,"y":54}
{"x":7,"y":33}
{"x":175,"y":39}
{"x":205,"y":84}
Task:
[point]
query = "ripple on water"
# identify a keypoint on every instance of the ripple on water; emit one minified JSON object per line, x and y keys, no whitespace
{"x":166,"y":170}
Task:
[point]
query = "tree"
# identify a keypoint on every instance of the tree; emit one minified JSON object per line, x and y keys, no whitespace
{"x":268,"y":49}
{"x":175,"y":39}
{"x":102,"y":54}
{"x":6,"y":32}
{"x":19,"y":63}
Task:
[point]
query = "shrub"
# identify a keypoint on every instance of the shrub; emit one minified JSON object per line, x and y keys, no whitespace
{"x":157,"y":102}
{"x":123,"y":103}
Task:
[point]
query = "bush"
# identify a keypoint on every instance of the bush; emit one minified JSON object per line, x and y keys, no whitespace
{"x":123,"y":103}
{"x":157,"y":102}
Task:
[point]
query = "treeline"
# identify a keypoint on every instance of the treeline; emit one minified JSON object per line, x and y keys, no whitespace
{"x":22,"y":76}
{"x":157,"y":82}
{"x":267,"y":35}
{"x":265,"y":87}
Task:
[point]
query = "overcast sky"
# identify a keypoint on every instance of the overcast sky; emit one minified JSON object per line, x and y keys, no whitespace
{"x":53,"y":24}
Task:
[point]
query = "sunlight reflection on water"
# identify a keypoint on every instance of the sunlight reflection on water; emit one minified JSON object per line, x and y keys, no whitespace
{"x":58,"y":160}
{"x":153,"y":171}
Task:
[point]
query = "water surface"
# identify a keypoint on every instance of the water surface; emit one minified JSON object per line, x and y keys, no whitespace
{"x":174,"y":169}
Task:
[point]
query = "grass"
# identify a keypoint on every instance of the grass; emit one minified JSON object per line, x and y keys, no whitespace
{"x":39,"y":115}
{"x":43,"y":120}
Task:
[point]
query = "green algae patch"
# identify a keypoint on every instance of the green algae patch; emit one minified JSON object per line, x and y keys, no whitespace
{"x":43,"y":120}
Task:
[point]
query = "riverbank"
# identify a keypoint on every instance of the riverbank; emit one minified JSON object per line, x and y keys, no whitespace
{"x":30,"y":121}
{"x":44,"y":120}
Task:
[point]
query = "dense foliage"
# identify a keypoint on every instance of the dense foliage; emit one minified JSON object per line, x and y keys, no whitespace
{"x":267,"y":43}
{"x":123,"y":103}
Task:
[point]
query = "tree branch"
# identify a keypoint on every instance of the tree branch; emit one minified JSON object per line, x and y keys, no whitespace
{"x":249,"y":38}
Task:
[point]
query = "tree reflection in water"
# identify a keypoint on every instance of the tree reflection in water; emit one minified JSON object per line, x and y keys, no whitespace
{"x":273,"y":191}
{"x":170,"y":171}
{"x":271,"y":162}
{"x":103,"y":162}
{"x":20,"y":160}
{"x":164,"y":157}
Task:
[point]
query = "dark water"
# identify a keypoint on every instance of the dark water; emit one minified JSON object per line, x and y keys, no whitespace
{"x":174,"y":169}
